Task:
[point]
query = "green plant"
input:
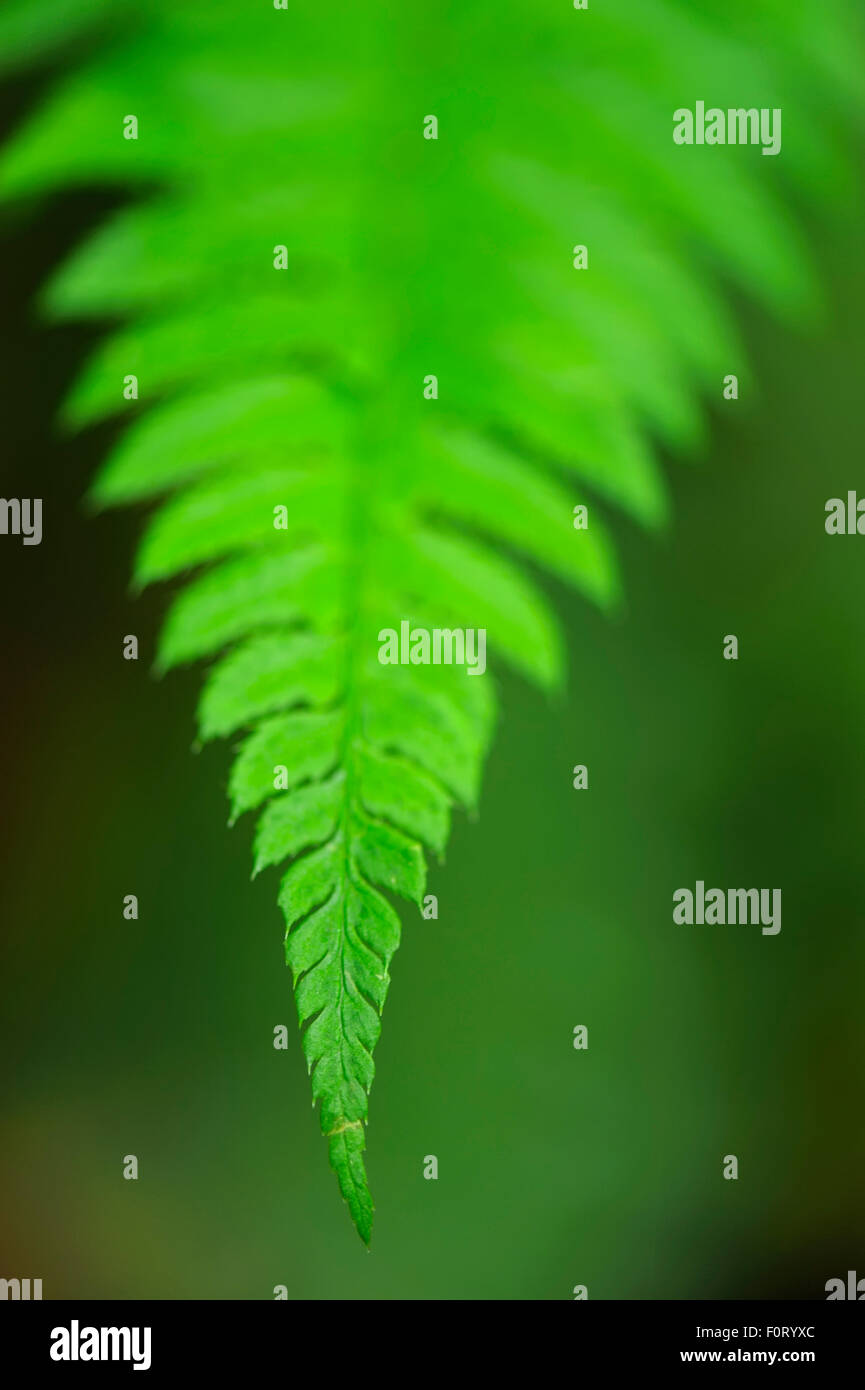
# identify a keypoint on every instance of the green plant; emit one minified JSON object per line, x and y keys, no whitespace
{"x":296,"y":394}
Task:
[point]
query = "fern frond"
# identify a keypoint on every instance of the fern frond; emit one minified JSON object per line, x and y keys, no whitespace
{"x":297,"y":393}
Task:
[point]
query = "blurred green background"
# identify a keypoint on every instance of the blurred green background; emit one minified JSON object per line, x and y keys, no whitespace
{"x":556,"y":1167}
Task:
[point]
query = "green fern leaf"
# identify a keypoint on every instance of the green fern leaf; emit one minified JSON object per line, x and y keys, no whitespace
{"x":297,"y":394}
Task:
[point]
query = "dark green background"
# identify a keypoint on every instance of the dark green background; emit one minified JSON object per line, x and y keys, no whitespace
{"x":556,"y":1167}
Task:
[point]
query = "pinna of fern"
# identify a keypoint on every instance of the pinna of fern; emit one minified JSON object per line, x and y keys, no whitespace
{"x":298,"y":265}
